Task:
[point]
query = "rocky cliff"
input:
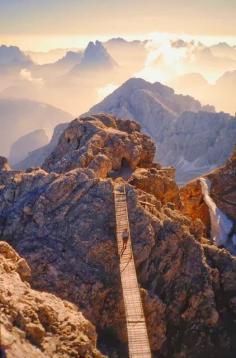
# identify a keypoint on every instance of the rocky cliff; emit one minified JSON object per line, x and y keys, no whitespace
{"x":222,"y":190}
{"x":61,"y":220}
{"x":223,"y":187}
{"x":38,"y":324}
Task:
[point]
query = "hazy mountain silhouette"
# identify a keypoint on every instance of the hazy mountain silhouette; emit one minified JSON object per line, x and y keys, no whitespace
{"x":21,"y":116}
{"x":36,"y":157}
{"x":221,"y":94}
{"x":222,"y":49}
{"x":29,"y":142}
{"x":95,"y":57}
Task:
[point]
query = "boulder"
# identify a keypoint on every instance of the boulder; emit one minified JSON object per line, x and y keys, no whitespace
{"x":89,"y":137}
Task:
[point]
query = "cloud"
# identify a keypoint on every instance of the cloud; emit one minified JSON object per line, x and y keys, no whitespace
{"x":27,"y":76}
{"x":169,"y":58}
{"x":163,"y":62}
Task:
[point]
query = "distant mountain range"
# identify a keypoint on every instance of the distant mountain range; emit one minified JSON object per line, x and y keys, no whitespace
{"x":219,"y":56}
{"x":221,"y":93}
{"x":51,"y":56}
{"x":20,"y":117}
{"x":129,"y":54}
{"x":222,"y":49}
{"x":50,"y":71}
{"x":190,"y":137}
{"x":114,"y":61}
{"x":29,"y":142}
{"x":72,"y":82}
{"x":71,"y":58}
{"x":36,"y":157}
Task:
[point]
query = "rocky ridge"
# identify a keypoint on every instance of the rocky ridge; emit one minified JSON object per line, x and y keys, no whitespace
{"x":60,"y":218}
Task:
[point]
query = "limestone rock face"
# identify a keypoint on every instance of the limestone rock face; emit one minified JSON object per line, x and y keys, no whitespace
{"x":193,"y":202}
{"x":222,"y":191}
{"x":61,"y":219}
{"x":157,"y":181}
{"x":86,"y":139}
{"x":38,"y":324}
{"x":223,"y":187}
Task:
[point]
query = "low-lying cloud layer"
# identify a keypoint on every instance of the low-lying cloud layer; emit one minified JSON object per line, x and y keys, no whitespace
{"x":26,"y":75}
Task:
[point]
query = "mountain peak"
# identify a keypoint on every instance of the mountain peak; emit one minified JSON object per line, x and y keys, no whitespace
{"x":96,"y":56}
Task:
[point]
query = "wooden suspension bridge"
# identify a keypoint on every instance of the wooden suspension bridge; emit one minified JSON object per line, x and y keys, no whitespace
{"x":138,"y":342}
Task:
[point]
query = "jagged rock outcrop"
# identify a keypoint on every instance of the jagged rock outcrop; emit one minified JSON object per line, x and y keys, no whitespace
{"x":101,"y":143}
{"x":38,"y":324}
{"x":61,"y":219}
{"x":159,"y":182}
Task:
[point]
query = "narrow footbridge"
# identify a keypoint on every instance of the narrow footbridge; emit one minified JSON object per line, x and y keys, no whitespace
{"x":135,"y":320}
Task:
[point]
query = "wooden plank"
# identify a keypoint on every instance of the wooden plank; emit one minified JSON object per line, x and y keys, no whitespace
{"x":138,"y":342}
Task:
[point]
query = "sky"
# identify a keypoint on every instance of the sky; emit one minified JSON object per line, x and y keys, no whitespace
{"x":57,"y":21}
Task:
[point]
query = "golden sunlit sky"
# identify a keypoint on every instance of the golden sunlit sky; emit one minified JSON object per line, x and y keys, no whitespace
{"x":45,"y":24}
